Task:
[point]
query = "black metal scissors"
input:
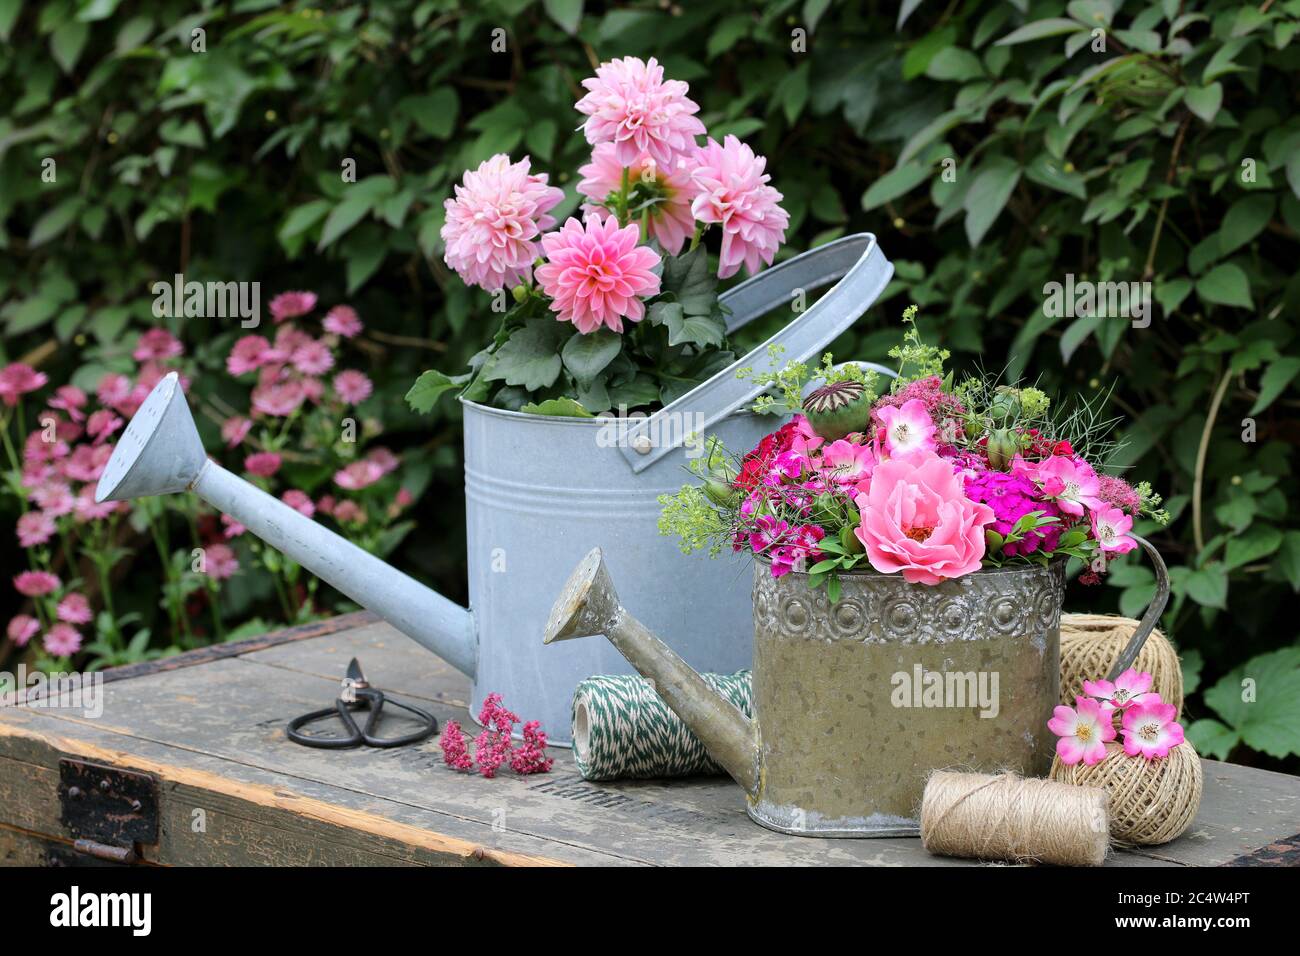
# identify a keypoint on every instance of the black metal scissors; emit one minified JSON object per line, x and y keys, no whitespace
{"x":357,"y":694}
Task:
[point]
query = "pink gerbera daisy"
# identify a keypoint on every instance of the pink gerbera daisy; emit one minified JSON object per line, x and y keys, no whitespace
{"x":288,"y":305}
{"x":731,"y":189}
{"x":596,"y":274}
{"x":667,"y":191}
{"x":632,"y":106}
{"x":493,"y":223}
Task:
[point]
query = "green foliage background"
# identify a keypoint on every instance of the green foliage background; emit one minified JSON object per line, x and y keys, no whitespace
{"x":1173,"y":156}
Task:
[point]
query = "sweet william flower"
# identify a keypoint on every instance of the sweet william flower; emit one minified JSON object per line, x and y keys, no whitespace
{"x":731,"y":189}
{"x":492,"y":225}
{"x":1129,"y":688}
{"x":630,"y":104}
{"x":917,"y":520}
{"x":1083,"y":731}
{"x":1150,"y":728}
{"x":596,"y":274}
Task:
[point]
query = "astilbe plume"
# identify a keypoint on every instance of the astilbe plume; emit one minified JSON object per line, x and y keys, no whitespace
{"x":454,"y":752}
{"x":492,"y":747}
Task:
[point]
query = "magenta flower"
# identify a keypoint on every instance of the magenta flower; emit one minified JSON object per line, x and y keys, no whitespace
{"x":455,"y":753}
{"x":1110,"y":527}
{"x":1071,"y":482}
{"x":53,"y":497}
{"x":628,"y":103}
{"x":1128,"y":689}
{"x":846,"y":463}
{"x":492,"y":225}
{"x":1083,"y":731}
{"x":247,"y":355}
{"x":531,"y":757}
{"x":796,"y":550}
{"x":263,"y":464}
{"x":62,"y":640}
{"x":384,"y":458}
{"x":220,"y":561}
{"x":288,"y":305}
{"x":36,"y":583}
{"x":35,"y":527}
{"x":113,"y":389}
{"x":70,"y":399}
{"x":909,"y":430}
{"x":17,"y":380}
{"x":596,"y":274}
{"x":86,"y":509}
{"x":230,"y":528}
{"x":87,"y":462}
{"x":157,"y":344}
{"x":358,"y":475}
{"x":74,"y":609}
{"x":312,"y":358}
{"x":916,"y":519}
{"x":299,"y":501}
{"x":348,"y":512}
{"x":1151,"y":729}
{"x":22,"y":628}
{"x":343,"y":320}
{"x":731,"y":189}
{"x":1012,"y":495}
{"x":352,"y":387}
{"x":670,"y":220}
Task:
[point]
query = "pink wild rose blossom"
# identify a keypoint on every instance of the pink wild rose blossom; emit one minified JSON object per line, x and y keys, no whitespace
{"x":731,"y":190}
{"x":596,"y":275}
{"x":1083,"y":731}
{"x":1151,"y":728}
{"x":1110,"y":527}
{"x":909,"y":431}
{"x":1129,"y":688}
{"x":630,"y":104}
{"x":1071,"y":483}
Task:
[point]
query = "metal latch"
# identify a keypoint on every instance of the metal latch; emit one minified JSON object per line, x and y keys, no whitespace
{"x":108,"y":811}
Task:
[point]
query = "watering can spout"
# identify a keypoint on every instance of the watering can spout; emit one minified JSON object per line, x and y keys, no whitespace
{"x":589,"y":605}
{"x":160,"y":453}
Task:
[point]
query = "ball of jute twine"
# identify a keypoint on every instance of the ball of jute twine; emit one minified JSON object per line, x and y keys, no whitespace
{"x":1091,"y":643}
{"x":1004,"y":816}
{"x":1151,"y":801}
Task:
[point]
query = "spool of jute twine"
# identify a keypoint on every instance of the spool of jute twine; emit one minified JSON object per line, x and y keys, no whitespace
{"x":1151,"y":801}
{"x":1091,"y":643}
{"x":623,"y":730}
{"x":1007,"y":817}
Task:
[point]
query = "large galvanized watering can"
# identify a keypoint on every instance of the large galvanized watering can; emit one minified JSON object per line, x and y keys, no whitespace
{"x":856,"y":702}
{"x":538,"y":490}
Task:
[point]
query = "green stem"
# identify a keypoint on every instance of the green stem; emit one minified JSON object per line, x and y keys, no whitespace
{"x":695,"y":239}
{"x":622,"y":196}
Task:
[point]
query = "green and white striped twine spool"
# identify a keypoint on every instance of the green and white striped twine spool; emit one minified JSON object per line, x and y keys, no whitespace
{"x":623,"y":730}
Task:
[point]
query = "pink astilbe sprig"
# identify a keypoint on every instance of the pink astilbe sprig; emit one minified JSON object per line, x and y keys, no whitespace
{"x":492,"y":746}
{"x":732,"y":190}
{"x":630,"y":104}
{"x":455,"y":753}
{"x":493,"y":223}
{"x":596,"y":274}
{"x":531,"y":756}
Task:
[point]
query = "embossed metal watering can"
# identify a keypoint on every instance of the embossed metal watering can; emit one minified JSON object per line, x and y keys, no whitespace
{"x":538,"y":489}
{"x":856,"y":702}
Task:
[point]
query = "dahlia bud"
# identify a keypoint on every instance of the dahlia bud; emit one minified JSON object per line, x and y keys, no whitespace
{"x":519,"y":292}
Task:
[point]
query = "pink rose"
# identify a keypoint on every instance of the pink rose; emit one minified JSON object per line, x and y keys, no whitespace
{"x":917,"y":519}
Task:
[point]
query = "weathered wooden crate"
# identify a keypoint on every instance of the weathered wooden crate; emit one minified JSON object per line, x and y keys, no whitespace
{"x":201,"y":739}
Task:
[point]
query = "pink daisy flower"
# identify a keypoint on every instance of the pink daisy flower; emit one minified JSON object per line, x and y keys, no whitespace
{"x":492,"y":225}
{"x":1083,"y":731}
{"x":74,"y":609}
{"x":1128,"y":688}
{"x":36,"y":583}
{"x":288,"y":305}
{"x":312,"y":358}
{"x":264,"y":464}
{"x":17,"y":380}
{"x":157,"y":344}
{"x":235,"y":429}
{"x":343,"y":320}
{"x":731,"y":189}
{"x":670,"y":190}
{"x":630,"y":105}
{"x":299,"y":501}
{"x":248,"y":354}
{"x":35,"y":528}
{"x":220,"y":561}
{"x":22,"y":628}
{"x":352,"y":386}
{"x":279,"y":399}
{"x":70,"y":399}
{"x":596,"y":274}
{"x":1151,"y":729}
{"x":62,"y":640}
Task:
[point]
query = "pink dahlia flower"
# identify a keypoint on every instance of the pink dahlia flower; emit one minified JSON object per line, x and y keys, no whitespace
{"x":499,"y":211}
{"x":288,"y":305}
{"x":731,"y":189}
{"x":1083,"y":731}
{"x":343,"y":320}
{"x":1151,"y":729}
{"x":35,"y":527}
{"x":62,"y":640}
{"x":36,"y":583}
{"x":632,"y":106}
{"x":1110,"y":527}
{"x":74,"y":609}
{"x":352,"y":386}
{"x":670,"y":220}
{"x":917,"y":519}
{"x":909,"y":431}
{"x":596,"y":274}
{"x":17,"y":380}
{"x":22,"y":628}
{"x":1071,"y":482}
{"x":1128,"y":688}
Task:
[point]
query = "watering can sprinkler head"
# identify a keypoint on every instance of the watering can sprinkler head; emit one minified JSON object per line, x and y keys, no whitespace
{"x":161,"y":453}
{"x":588,"y":605}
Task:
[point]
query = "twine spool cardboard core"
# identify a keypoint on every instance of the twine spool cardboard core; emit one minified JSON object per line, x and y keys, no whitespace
{"x":1007,"y":817}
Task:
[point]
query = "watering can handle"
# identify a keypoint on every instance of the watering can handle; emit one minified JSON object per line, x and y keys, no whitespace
{"x":1150,"y":618}
{"x":863,"y":272}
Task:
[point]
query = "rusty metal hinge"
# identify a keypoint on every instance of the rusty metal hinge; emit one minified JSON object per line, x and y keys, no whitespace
{"x":108,"y":811}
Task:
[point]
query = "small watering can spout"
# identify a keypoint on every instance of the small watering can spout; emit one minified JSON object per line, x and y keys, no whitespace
{"x":589,"y":605}
{"x":160,"y":453}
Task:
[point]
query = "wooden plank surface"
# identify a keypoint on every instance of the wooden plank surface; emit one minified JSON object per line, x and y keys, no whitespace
{"x":214,"y":734}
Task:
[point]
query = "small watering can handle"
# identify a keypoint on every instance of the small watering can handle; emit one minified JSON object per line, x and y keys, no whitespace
{"x":1151,"y":617}
{"x":863,"y":272}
